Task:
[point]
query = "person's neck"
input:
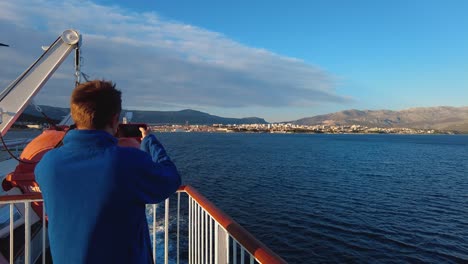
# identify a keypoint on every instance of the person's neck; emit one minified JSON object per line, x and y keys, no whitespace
{"x":107,"y":129}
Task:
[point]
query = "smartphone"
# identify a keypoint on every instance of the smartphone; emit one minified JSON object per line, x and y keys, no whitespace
{"x":130,"y":130}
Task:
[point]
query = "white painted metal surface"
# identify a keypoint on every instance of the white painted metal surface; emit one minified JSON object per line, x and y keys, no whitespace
{"x":11,"y":232}
{"x":15,"y":98}
{"x":27,"y":233}
{"x":29,"y":219}
{"x":166,"y":232}
{"x":154,"y":233}
{"x":206,"y":240}
{"x":44,"y":235}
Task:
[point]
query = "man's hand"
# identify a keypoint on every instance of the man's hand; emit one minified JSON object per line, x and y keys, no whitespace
{"x":145,"y":132}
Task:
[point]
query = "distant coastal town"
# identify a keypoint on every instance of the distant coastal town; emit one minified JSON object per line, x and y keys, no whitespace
{"x":273,"y":128}
{"x":422,"y":120}
{"x":293,"y":128}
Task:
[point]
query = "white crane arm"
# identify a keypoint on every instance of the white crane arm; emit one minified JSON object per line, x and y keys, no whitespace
{"x":15,"y":98}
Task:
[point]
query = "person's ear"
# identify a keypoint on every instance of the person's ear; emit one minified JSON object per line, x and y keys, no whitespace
{"x":116,"y":118}
{"x":115,"y":122}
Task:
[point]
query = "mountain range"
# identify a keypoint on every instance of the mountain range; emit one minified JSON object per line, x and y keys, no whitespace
{"x":191,"y":117}
{"x":440,"y":118}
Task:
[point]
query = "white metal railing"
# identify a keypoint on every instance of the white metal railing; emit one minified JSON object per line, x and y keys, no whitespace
{"x":22,"y":207}
{"x":207,"y":235}
{"x":212,"y":243}
{"x":214,"y":237}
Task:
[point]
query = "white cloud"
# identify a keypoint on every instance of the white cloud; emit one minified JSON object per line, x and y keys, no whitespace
{"x":158,"y":62}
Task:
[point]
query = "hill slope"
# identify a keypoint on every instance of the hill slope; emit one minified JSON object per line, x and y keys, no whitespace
{"x":191,"y":116}
{"x":442,"y":117}
{"x":152,"y":117}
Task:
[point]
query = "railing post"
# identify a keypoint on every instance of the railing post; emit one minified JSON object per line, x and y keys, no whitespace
{"x":242,"y":255}
{"x":190,"y":230}
{"x":211,"y":240}
{"x":221,"y":247}
{"x":234,"y":251}
{"x":12,"y":223}
{"x":227,"y":247}
{"x":216,"y":248}
{"x":202,"y":236}
{"x":44,"y":233}
{"x":206,"y":237}
{"x":197,"y":235}
{"x":197,"y":225}
{"x":154,"y":233}
{"x":166,"y":233}
{"x":178,"y":233}
{"x":27,"y":233}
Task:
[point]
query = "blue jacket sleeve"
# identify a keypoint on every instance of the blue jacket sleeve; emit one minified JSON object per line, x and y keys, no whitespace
{"x":152,"y":146}
{"x":159,"y":177}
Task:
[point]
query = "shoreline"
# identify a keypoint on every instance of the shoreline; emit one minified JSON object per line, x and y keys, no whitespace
{"x":298,"y":129}
{"x":218,"y":129}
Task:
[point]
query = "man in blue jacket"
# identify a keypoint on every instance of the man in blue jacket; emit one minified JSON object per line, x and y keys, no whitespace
{"x":95,"y":191}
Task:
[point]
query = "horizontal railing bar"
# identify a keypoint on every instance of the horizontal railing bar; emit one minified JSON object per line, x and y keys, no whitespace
{"x":261,"y":252}
{"x":21,"y":198}
{"x":21,"y":201}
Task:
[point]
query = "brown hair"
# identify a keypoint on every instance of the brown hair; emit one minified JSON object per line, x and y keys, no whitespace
{"x":94,"y":104}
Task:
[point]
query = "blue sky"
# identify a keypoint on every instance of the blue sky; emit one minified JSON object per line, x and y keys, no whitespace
{"x":281,"y":60}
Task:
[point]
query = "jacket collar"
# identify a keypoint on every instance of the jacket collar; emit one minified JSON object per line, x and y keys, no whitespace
{"x":89,"y":137}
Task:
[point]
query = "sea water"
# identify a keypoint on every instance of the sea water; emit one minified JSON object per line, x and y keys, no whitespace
{"x":336,"y":198}
{"x":333,"y":198}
